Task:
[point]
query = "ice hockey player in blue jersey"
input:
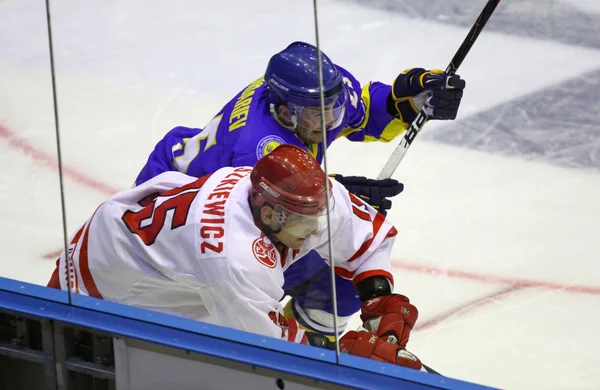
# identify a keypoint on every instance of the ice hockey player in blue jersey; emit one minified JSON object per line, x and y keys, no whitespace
{"x":283,"y":107}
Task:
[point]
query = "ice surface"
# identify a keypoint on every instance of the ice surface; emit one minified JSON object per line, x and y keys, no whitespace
{"x":498,"y":226}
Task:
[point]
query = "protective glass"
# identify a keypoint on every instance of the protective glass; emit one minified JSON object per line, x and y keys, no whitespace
{"x":309,"y":117}
{"x":302,"y":226}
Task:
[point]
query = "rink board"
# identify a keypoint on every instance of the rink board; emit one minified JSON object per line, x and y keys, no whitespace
{"x":154,"y":350}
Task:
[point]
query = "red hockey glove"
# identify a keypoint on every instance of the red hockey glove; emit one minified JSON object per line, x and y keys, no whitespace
{"x":389,"y":316}
{"x":366,"y":344}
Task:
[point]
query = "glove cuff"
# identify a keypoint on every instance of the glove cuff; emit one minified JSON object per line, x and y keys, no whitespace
{"x":404,"y":109}
{"x":408,"y":83}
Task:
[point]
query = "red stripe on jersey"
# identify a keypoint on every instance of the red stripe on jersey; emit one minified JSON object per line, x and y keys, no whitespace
{"x":357,"y":210}
{"x":304,"y":340}
{"x":292,"y":329}
{"x":286,"y":254}
{"x":392,"y":232}
{"x":54,"y":279}
{"x":377,"y":223}
{"x":77,"y":235}
{"x":69,"y":264}
{"x":367,"y":274}
{"x":84,"y":266}
{"x":344,"y":273}
{"x":196,"y":184}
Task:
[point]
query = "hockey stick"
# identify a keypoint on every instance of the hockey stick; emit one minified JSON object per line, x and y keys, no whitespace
{"x":417,"y":125}
{"x":430,"y":370}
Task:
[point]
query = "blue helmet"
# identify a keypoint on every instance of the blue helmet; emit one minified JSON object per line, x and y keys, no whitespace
{"x":292,"y":76}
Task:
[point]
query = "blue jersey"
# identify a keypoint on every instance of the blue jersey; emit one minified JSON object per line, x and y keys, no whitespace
{"x":245,"y":130}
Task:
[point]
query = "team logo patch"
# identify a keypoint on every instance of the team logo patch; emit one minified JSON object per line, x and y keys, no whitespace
{"x":264,"y":251}
{"x":267,"y":145}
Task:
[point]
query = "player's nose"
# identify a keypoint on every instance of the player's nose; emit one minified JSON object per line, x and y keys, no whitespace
{"x":313,"y":228}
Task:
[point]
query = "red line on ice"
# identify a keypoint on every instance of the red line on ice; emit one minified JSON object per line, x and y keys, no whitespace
{"x":52,"y":255}
{"x":50,"y":161}
{"x":514,"y":285}
{"x":492,"y":279}
{"x":467,"y":307}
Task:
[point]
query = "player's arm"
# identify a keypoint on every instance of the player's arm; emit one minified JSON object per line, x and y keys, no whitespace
{"x":383,"y":111}
{"x":362,"y":237}
{"x":363,"y":241}
{"x":367,"y":116}
{"x":240,"y":304}
{"x":159,"y":160}
{"x":166,"y":153}
{"x":263,"y":317}
{"x":188,"y":150}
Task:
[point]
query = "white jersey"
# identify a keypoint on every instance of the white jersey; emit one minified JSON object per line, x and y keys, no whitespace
{"x":189,"y":247}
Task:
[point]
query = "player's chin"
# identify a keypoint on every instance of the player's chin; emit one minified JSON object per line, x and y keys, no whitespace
{"x":316,"y":136}
{"x":296,"y":242}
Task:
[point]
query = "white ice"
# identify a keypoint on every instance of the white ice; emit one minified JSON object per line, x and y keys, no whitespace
{"x":471,"y":224}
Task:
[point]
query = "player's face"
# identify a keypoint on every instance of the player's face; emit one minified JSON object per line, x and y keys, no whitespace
{"x":309,"y":128}
{"x":296,"y":230}
{"x":308,"y":121}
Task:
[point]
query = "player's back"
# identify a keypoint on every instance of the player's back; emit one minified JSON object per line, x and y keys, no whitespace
{"x":184,"y":246}
{"x":239,"y":135}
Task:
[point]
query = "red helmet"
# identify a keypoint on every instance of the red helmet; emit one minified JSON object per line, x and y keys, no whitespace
{"x":291,"y":178}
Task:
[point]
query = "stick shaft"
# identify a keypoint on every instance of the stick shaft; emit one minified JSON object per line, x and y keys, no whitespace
{"x":417,"y":125}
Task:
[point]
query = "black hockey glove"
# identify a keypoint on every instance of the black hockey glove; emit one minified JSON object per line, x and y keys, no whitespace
{"x":417,"y":87}
{"x":374,"y":192}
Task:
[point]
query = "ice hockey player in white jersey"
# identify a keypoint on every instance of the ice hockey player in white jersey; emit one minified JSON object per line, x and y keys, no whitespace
{"x":215,"y":248}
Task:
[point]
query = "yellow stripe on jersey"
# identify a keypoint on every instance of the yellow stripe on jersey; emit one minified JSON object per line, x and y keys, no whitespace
{"x":365,"y":95}
{"x":391,"y":131}
{"x":313,"y":149}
